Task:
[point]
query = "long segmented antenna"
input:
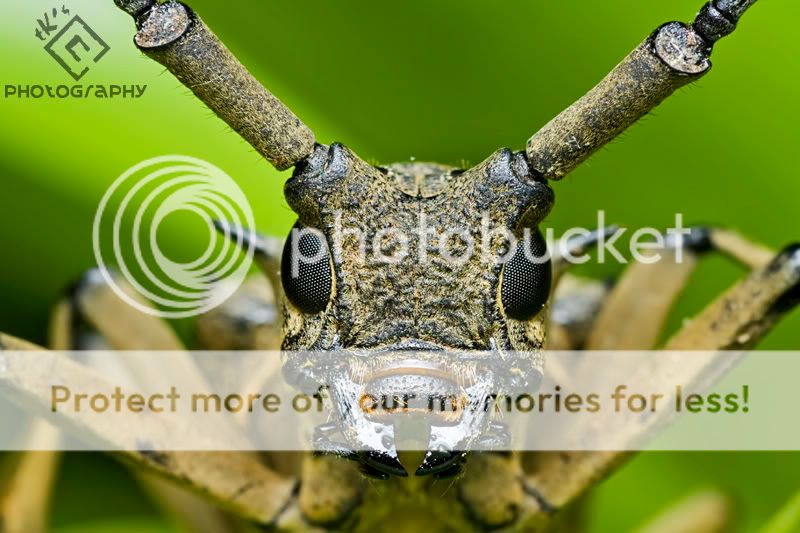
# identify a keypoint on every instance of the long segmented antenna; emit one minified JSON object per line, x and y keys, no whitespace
{"x":675,"y":55}
{"x":172,"y":34}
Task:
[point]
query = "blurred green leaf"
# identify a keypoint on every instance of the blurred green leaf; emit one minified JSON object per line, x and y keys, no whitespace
{"x":788,"y":518}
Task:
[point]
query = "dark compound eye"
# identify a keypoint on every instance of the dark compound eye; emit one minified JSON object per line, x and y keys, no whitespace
{"x":306,"y":270}
{"x":527,"y":278}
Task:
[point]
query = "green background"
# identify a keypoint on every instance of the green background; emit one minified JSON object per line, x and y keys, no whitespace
{"x":446,"y":81}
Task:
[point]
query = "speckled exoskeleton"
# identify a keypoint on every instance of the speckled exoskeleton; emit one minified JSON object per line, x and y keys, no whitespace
{"x":340,"y":303}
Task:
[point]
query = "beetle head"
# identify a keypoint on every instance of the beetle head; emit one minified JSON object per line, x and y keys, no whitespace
{"x":404,"y":271}
{"x":414,"y":255}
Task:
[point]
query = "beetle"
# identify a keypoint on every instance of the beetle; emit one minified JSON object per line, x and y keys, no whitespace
{"x":336,"y":303}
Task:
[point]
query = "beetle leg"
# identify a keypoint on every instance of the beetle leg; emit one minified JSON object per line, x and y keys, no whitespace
{"x":121,"y":325}
{"x":675,"y":55}
{"x":646,"y":290}
{"x":27,"y":490}
{"x":708,"y":510}
{"x":576,"y":303}
{"x":267,"y":253}
{"x":595,"y":315}
{"x":248,"y":320}
{"x":25,"y":500}
{"x":330,"y":490}
{"x":577,"y":247}
{"x":746,"y":252}
{"x":737,"y":320}
{"x":251,"y":318}
{"x":176,"y":37}
{"x":245,"y":321}
{"x":235,"y":480}
{"x":491,"y":490}
{"x":662,"y":282}
{"x":741,"y":317}
{"x":95,"y":318}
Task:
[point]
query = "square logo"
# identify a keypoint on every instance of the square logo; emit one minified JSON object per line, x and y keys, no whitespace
{"x":75,"y":47}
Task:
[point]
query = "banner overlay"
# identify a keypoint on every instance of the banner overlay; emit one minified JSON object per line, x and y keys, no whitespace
{"x":349,"y":401}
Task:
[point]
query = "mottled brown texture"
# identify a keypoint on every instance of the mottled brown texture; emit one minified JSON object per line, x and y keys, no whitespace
{"x":423,"y":297}
{"x":177,"y":38}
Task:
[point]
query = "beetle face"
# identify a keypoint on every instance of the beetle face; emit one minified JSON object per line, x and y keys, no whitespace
{"x":407,"y":269}
{"x":415,"y":255}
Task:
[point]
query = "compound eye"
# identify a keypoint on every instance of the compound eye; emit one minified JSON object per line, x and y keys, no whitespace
{"x":527,"y":277}
{"x":306,"y":272}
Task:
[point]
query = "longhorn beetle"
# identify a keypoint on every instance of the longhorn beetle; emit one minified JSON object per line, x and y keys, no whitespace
{"x":336,"y":303}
